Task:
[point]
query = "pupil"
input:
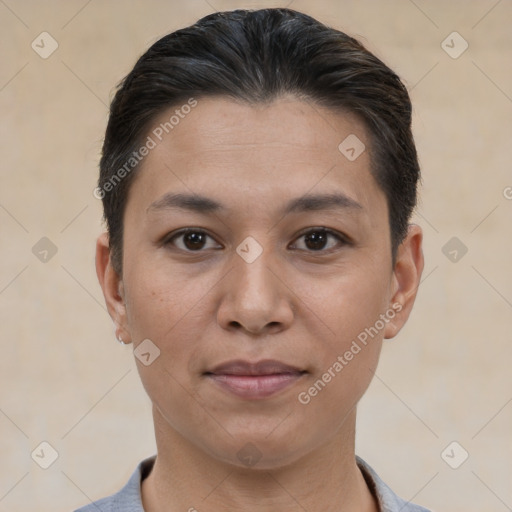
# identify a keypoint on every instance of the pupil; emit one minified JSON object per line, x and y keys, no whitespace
{"x":194,"y":240}
{"x":316,"y":240}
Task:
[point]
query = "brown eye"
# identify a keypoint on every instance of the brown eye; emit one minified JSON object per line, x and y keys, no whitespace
{"x":194,"y":240}
{"x":318,"y":240}
{"x":191,"y":240}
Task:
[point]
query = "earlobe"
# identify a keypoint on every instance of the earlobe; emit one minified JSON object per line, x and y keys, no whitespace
{"x":406,"y":279}
{"x":112,"y":287}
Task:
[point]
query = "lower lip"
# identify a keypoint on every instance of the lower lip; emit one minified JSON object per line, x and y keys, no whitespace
{"x":255,"y":386}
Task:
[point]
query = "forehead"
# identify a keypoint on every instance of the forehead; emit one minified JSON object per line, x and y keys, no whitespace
{"x":257,"y":154}
{"x":219,"y":123}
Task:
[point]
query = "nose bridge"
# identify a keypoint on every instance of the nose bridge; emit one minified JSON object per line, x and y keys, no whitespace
{"x":254,"y":283}
{"x":254,"y":297}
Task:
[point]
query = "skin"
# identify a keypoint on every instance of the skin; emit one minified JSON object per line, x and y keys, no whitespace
{"x":298,"y":305}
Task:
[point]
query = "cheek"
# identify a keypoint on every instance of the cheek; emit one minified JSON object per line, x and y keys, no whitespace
{"x":168,"y":310}
{"x":173,"y":311}
{"x":159,"y":301}
{"x":348,"y":356}
{"x":347,"y":301}
{"x":355,"y":308}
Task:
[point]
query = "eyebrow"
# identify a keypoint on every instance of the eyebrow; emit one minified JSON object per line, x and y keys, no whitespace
{"x":201,"y":204}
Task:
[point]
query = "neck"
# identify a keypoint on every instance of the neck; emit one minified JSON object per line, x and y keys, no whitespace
{"x":184,"y":478}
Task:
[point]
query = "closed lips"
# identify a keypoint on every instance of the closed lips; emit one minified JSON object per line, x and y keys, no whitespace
{"x":245,"y":368}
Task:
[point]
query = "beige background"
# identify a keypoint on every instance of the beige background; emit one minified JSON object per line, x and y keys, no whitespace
{"x":66,"y":381}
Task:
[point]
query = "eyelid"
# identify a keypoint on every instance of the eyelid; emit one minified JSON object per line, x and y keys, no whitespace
{"x":323,"y":229}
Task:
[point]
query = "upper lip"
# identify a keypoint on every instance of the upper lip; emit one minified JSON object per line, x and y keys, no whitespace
{"x":266,"y":367}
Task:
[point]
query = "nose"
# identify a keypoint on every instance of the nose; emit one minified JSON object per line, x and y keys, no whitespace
{"x":255,"y":299}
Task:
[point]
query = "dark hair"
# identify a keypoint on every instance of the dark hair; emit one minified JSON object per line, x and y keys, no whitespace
{"x":258,"y":56}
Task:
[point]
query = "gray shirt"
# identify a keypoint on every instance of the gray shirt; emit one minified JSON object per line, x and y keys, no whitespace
{"x":128,"y":499}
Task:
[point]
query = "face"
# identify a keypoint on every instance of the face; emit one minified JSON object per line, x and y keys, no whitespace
{"x":257,"y":260}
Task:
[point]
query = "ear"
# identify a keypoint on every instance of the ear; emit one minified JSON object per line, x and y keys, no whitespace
{"x":112,"y":285}
{"x":406,"y":279}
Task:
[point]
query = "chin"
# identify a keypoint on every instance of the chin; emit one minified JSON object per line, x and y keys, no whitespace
{"x":260,"y":452}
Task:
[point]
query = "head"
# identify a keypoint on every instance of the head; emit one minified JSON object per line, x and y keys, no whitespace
{"x":246,"y":128}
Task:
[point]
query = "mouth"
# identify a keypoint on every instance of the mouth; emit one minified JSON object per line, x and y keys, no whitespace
{"x":254,"y":380}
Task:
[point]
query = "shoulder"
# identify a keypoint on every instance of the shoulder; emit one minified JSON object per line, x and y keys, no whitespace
{"x":129,"y":498}
{"x":387,"y":499}
{"x":105,"y":505}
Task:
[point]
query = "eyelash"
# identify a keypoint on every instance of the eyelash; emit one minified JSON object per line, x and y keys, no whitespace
{"x":341,"y":239}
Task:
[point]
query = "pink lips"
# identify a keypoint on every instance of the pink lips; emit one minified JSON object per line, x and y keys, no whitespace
{"x":254,"y":380}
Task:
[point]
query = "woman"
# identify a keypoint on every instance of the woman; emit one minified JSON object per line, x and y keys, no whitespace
{"x":258,"y":176}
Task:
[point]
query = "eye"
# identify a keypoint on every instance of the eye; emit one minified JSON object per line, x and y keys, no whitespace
{"x":317,"y":239}
{"x":191,"y":240}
